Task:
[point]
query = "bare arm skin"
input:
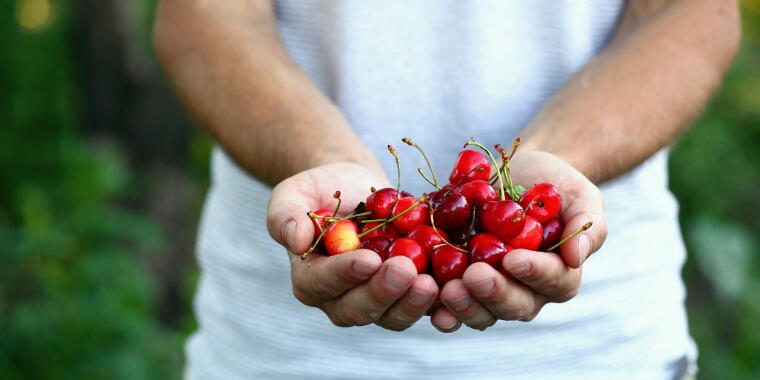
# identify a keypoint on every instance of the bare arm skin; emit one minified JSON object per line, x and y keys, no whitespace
{"x":623,"y":106}
{"x":229,"y":66}
{"x":634,"y":98}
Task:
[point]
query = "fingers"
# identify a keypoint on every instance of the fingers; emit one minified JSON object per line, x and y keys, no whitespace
{"x":406,"y":311}
{"x":366,"y":303}
{"x":465,"y":307}
{"x":287,"y":221}
{"x":585,"y":204}
{"x":502,"y":297}
{"x":443,"y":320}
{"x":320,"y":278}
{"x":543,"y":272}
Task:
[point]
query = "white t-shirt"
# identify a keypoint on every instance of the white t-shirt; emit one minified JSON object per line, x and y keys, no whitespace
{"x":440,"y":72}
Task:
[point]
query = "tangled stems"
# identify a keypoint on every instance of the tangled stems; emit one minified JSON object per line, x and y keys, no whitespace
{"x":386,"y":221}
{"x":496,"y":165}
{"x":409,"y":142}
{"x":445,"y":242}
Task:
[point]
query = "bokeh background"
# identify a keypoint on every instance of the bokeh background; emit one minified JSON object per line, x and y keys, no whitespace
{"x":102,"y":177}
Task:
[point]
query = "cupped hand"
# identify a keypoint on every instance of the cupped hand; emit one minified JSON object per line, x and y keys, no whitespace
{"x":354,"y":288}
{"x":484,"y":295}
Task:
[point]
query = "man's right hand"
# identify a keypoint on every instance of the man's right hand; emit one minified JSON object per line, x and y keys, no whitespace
{"x":354,"y":288}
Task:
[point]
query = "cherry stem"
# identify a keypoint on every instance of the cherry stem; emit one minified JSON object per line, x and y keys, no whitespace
{"x":572,"y":235}
{"x":461,"y":180}
{"x":409,"y":142}
{"x":319,"y":238}
{"x":472,"y":220}
{"x":432,"y":223}
{"x":419,"y":170}
{"x":359,"y":215}
{"x":505,"y":158}
{"x":337,"y":196}
{"x":398,"y":171}
{"x":386,"y":221}
{"x":496,"y":165}
{"x":372,"y":220}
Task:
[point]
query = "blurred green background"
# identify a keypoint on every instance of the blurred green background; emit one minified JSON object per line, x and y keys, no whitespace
{"x":102,"y":178}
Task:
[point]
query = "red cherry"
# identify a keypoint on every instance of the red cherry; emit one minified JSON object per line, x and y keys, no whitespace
{"x":461,"y":235}
{"x":505,"y":219}
{"x":542,"y":202}
{"x":488,"y":249}
{"x":426,"y":236}
{"x":378,"y":244}
{"x":466,"y":162}
{"x":411,"y":249}
{"x":415,"y":217}
{"x":322,"y":222}
{"x":437,"y":197}
{"x":530,"y":237}
{"x":448,"y":264}
{"x":342,"y":236}
{"x":381,"y":202}
{"x":478,"y":192}
{"x":405,"y":194}
{"x":552,"y":233}
{"x":453,"y":213}
{"x":389,"y":232}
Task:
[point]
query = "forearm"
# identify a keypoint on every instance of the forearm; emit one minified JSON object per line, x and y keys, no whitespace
{"x":642,"y":90}
{"x":229,"y":66}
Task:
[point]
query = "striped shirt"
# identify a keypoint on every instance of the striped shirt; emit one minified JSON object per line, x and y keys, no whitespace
{"x":440,"y":72}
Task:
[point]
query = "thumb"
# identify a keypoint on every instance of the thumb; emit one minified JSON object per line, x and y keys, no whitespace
{"x":287,"y":219}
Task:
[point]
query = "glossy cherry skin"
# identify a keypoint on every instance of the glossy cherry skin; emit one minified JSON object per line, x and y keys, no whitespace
{"x":542,"y":202}
{"x":505,"y":219}
{"x":389,"y":232}
{"x":426,"y":236}
{"x":552,"y":233}
{"x":405,"y":194}
{"x":378,"y":244}
{"x":488,"y":249}
{"x":467,"y":161}
{"x":436,"y":197}
{"x":419,"y":215}
{"x":448,"y":264}
{"x":342,"y":236}
{"x":381,"y":202}
{"x":461,"y":235}
{"x":477,"y":192}
{"x":530,"y":237}
{"x":453,"y":213}
{"x":411,"y":249}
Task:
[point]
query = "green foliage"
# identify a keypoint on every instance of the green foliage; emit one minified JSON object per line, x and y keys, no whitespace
{"x":714,"y":174}
{"x":76,"y":300}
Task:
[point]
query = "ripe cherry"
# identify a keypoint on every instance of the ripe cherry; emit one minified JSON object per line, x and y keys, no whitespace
{"x":426,"y":236}
{"x":552,"y":233}
{"x":378,"y":244}
{"x":467,"y":161}
{"x":381,"y":202}
{"x":439,"y":196}
{"x":413,"y":218}
{"x":389,"y":232}
{"x":531,"y":235}
{"x":411,"y":249}
{"x":448,"y":264}
{"x":452,"y":213}
{"x":477,"y":192}
{"x":342,"y":236}
{"x":488,"y":249}
{"x":505,"y":219}
{"x":542,"y":202}
{"x":322,"y":221}
{"x":461,"y":235}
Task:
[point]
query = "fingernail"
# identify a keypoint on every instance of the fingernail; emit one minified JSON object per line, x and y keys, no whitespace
{"x":483,"y":288}
{"x":396,"y":278}
{"x":289,"y":234}
{"x":519,"y":269}
{"x":363,"y":269}
{"x":584,"y":247}
{"x":461,"y":303}
{"x":419,"y":297}
{"x":451,"y":327}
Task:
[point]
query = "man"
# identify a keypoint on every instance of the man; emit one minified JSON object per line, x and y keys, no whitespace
{"x":305,"y":95}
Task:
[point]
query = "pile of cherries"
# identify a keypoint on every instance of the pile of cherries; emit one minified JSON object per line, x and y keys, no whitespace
{"x":444,"y":231}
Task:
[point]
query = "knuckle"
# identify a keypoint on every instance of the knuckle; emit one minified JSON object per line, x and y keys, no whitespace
{"x":355,"y":316}
{"x":568,"y":294}
{"x":337,"y":321}
{"x":302,"y":297}
{"x":320,"y":287}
